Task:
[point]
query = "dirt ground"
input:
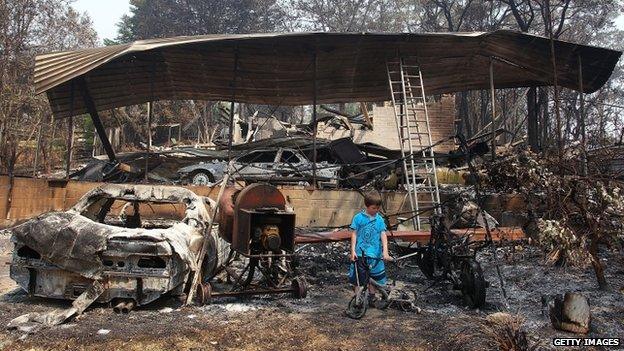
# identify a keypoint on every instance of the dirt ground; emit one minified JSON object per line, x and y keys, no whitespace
{"x":318,"y":322}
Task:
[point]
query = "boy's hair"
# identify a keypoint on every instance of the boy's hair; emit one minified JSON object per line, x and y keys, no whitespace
{"x":372,"y":198}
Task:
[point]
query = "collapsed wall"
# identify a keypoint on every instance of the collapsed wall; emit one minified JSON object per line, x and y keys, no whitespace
{"x":441,"y":121}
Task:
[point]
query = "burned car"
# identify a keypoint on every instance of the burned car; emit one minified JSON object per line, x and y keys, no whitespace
{"x":282,"y":166}
{"x":140,"y":241}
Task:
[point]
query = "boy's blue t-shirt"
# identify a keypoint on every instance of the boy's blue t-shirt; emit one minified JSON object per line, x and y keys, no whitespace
{"x":368,"y":234}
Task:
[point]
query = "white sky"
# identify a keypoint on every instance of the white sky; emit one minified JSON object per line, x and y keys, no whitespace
{"x":106,"y":14}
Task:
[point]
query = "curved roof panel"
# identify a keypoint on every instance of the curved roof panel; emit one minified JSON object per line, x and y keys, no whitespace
{"x":279,"y":69}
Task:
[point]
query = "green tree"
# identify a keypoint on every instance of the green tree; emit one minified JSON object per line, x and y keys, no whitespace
{"x":167,"y":18}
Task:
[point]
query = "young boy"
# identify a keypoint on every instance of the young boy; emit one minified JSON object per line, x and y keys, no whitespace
{"x":369,"y":237}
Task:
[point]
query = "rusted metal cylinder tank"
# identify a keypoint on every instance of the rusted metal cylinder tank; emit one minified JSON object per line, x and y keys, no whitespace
{"x":253,"y":196}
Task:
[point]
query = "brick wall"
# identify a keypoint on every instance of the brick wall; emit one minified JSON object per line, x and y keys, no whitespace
{"x":32,"y":197}
{"x":384,"y":133}
{"x":318,"y":208}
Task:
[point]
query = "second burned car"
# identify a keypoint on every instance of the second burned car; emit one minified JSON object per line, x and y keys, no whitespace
{"x":278,"y":166}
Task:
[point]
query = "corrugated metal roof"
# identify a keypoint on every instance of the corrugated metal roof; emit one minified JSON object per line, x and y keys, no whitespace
{"x":278,"y":69}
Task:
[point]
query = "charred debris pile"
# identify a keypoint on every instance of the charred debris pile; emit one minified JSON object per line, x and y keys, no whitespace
{"x":282,"y":160}
{"x":570,"y":208}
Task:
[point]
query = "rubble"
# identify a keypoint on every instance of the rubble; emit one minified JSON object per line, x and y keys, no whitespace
{"x":32,"y":322}
{"x":340,"y":163}
{"x":570,"y":215}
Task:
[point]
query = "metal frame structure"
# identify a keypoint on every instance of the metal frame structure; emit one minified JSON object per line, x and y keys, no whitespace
{"x":348,"y":67}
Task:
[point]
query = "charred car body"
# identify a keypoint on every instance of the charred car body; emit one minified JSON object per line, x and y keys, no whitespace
{"x":278,"y":165}
{"x":141,"y":241}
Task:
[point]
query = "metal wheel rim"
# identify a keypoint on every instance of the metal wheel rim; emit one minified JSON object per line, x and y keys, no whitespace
{"x":202,"y":179}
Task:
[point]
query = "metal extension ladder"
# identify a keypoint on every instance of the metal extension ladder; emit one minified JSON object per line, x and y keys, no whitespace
{"x":412,"y":119}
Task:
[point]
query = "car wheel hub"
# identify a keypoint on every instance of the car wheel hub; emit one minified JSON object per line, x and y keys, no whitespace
{"x":201,"y":179}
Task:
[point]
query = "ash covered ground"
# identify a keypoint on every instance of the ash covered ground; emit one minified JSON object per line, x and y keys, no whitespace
{"x":318,"y":322}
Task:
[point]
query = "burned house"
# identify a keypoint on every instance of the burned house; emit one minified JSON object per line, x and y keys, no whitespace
{"x":276,"y":69}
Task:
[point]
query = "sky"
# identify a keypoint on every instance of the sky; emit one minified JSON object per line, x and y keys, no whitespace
{"x":106,"y":14}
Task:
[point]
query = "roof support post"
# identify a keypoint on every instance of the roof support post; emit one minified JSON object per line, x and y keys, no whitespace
{"x":70,"y":131}
{"x":150,"y":114}
{"x":314,"y":127}
{"x":493,"y":96}
{"x":95,"y":117}
{"x":582,"y":119}
{"x":234,"y":76}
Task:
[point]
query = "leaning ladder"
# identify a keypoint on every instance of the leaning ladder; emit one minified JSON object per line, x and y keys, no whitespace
{"x":412,"y":120}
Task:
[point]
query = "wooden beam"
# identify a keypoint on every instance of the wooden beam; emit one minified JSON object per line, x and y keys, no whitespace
{"x":422,"y":237}
{"x":367,"y":119}
{"x":95,"y":117}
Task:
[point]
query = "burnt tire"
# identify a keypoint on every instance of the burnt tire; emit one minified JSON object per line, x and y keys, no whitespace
{"x":211,"y":261}
{"x":426,"y":264}
{"x":355,"y":310}
{"x":473,"y":285}
{"x":299,"y":287}
{"x":203,"y":295}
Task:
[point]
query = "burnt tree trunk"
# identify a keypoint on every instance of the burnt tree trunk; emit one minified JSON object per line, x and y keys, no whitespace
{"x":593,"y":251}
{"x":598,"y":268}
{"x":532,"y":119}
{"x":463,"y":118}
{"x":543,"y":109}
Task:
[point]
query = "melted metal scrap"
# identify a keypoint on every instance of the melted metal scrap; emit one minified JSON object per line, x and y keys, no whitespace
{"x":32,"y":322}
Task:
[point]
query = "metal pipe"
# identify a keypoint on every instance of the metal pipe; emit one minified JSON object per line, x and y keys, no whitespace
{"x":117,"y":308}
{"x":150,"y":114}
{"x":493,"y":96}
{"x":70,"y":131}
{"x":314,"y":127}
{"x":582,"y":119}
{"x":124,"y":306}
{"x":128,"y":306}
{"x":234,"y":74}
{"x":149,"y":138}
{"x":35,"y":165}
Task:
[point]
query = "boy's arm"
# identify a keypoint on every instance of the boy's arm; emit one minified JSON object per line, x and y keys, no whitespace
{"x":353,"y":241}
{"x":384,"y":247}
